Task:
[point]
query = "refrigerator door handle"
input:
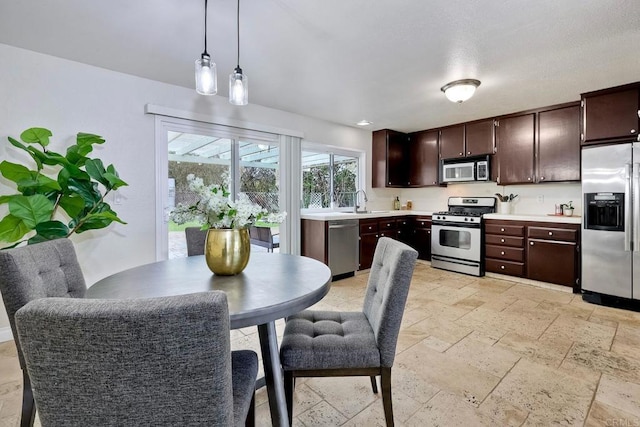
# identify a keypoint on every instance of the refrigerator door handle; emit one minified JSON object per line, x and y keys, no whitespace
{"x":635,"y":185}
{"x":627,"y":207}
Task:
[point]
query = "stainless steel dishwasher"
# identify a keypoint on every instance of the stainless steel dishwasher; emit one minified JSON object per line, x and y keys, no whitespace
{"x":344,"y":246}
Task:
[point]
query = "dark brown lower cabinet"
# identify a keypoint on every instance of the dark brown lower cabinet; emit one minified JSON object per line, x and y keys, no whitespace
{"x":368,"y":241}
{"x":422,"y":237}
{"x":548,"y":252}
{"x":553,"y":254}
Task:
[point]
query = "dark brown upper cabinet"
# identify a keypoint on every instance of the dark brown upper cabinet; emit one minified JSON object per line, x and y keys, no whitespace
{"x":423,"y":158}
{"x":540,"y":145}
{"x":389,"y":167}
{"x":467,"y":140}
{"x":611,"y":115}
{"x":452,"y":142}
{"x":558,"y":148}
{"x":515,"y":138}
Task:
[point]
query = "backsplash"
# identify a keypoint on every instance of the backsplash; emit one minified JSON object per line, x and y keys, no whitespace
{"x":535,"y":199}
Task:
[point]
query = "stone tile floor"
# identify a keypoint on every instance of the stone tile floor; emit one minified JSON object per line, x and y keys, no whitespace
{"x":471,"y":352}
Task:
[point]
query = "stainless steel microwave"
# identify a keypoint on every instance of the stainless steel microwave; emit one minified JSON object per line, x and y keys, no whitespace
{"x":465,"y":171}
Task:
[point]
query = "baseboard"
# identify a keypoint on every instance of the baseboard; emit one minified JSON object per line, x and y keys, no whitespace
{"x":5,"y":334}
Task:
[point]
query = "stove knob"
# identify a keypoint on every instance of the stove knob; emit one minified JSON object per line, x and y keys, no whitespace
{"x":466,"y":219}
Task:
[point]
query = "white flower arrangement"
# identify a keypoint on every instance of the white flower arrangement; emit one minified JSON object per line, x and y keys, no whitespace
{"x":216,"y":210}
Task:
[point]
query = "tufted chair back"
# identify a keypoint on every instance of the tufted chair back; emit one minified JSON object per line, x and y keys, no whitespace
{"x":43,"y":270}
{"x":386,"y":294}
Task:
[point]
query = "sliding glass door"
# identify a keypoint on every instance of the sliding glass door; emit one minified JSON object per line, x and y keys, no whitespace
{"x":240,"y":160}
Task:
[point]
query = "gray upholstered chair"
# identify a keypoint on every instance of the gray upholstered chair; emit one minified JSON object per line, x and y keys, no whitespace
{"x":156,"y":361}
{"x":196,"y":239}
{"x":327,"y":343}
{"x":48,"y":269}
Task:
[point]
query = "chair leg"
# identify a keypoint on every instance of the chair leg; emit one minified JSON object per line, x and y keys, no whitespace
{"x":251,"y":416}
{"x":28,"y":404}
{"x":288,"y":394}
{"x":385,"y":382}
{"x":374,"y":385}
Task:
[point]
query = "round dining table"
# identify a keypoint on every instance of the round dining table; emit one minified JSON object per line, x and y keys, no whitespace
{"x":272,"y":286}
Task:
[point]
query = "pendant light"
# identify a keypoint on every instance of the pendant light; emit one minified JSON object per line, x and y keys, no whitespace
{"x":206,"y":74}
{"x":460,"y":90}
{"x":238,"y":82}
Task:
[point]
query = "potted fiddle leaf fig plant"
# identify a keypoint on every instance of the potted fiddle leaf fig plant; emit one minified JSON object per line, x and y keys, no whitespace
{"x":61,"y":195}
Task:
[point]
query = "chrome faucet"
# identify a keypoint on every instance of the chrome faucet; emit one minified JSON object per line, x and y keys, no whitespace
{"x":356,"y":206}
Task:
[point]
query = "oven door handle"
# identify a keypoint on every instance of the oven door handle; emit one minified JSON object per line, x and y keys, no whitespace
{"x":455,"y":224}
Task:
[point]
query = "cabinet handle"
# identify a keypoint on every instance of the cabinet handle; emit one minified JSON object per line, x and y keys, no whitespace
{"x":501,"y":240}
{"x":461,"y":154}
{"x":502,"y":267}
{"x":389,"y":182}
{"x":633,"y":131}
{"x":531,"y":243}
{"x":542,"y":178}
{"x":529,"y":179}
{"x":551,"y":233}
{"x":502,"y":253}
{"x":388,"y":225}
{"x":468,"y":152}
{"x":422,"y":223}
{"x":370,"y":228}
{"x":502,"y":229}
{"x":434,"y":183}
{"x":381,"y":234}
{"x":428,"y":231}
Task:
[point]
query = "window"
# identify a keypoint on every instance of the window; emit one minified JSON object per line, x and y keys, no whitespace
{"x":330,"y":177}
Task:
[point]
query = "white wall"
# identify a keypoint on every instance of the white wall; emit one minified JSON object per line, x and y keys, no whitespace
{"x":67,"y":97}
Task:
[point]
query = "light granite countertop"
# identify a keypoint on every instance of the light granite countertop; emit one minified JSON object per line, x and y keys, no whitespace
{"x":329,"y":216}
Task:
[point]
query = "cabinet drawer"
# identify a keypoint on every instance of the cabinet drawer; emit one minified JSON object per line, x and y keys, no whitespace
{"x":505,"y":267}
{"x":549,"y":233}
{"x":423,"y":222}
{"x":368,"y":227}
{"x":492,"y":239}
{"x":389,"y":224}
{"x":504,"y":252}
{"x":505,"y":230}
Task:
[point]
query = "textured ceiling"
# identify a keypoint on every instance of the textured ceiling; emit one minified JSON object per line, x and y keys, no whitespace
{"x":347,"y":60}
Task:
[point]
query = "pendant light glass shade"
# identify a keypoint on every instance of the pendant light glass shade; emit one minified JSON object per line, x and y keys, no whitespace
{"x":460,"y":90}
{"x":206,"y":76}
{"x":238,"y":82}
{"x":238,"y":87}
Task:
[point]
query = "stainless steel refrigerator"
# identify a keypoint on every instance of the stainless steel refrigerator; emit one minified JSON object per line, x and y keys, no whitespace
{"x":611,"y":220}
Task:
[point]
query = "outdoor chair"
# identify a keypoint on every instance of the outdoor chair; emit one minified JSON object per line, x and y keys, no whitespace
{"x":332,"y":343}
{"x":150,"y":361}
{"x":262,"y":236}
{"x":48,"y":269}
{"x":196,"y":238}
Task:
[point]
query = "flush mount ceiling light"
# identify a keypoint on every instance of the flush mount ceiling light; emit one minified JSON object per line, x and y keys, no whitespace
{"x":206,"y":75}
{"x":364,"y":123}
{"x":238,"y":82}
{"x":460,"y":90}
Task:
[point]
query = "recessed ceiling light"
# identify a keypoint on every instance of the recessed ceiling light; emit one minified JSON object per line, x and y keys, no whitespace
{"x":364,"y":123}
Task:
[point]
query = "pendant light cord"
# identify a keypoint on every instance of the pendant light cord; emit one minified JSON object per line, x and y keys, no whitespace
{"x":238,"y":30}
{"x":205,"y":28}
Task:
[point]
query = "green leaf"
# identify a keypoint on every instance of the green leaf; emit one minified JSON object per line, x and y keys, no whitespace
{"x":21,"y":146}
{"x":98,"y":220}
{"x":51,"y":230}
{"x":12,"y":228}
{"x":14,"y":172}
{"x":72,"y":205}
{"x":7,"y":199}
{"x":76,"y":154}
{"x":85,"y":189}
{"x":113,"y":181}
{"x":36,"y":135}
{"x":39,"y":184}
{"x":31,"y":209}
{"x":95,"y":169}
{"x":87,"y":139}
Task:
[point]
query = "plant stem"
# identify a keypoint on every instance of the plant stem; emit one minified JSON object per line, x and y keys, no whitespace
{"x":82,"y":221}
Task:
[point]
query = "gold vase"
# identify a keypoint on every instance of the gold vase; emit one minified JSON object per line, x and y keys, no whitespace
{"x":227,"y":250}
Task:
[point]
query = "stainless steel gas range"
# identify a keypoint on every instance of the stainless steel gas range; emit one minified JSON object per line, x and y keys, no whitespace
{"x":457,"y":237}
